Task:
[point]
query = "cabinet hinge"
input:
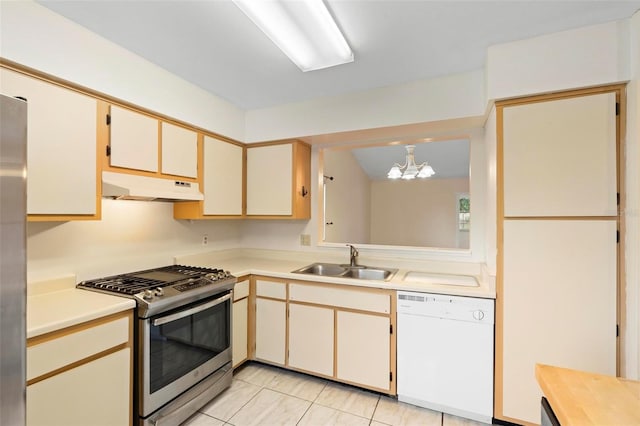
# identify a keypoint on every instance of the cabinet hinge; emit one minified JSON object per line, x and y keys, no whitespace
{"x":108,"y":119}
{"x":617,"y":108}
{"x":390,"y":376}
{"x":390,"y":328}
{"x":618,"y":198}
{"x":617,"y":330}
{"x":617,"y":236}
{"x":108,"y":150}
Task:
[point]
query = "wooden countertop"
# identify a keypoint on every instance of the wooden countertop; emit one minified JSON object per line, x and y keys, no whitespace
{"x":581,"y":399}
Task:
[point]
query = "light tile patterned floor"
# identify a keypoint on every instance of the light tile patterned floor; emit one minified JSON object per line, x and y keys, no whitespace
{"x":265,"y":395}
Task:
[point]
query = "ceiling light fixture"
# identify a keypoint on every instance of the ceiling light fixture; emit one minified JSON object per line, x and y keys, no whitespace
{"x":411,"y":170}
{"x":303,"y":29}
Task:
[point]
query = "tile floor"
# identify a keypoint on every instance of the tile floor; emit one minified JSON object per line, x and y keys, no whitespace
{"x":265,"y":395}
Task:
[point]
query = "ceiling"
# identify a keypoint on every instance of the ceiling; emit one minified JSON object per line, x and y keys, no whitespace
{"x":449,"y":159}
{"x":213,"y":45}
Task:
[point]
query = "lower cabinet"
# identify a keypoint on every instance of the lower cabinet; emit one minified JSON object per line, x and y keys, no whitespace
{"x":363,"y":349}
{"x":311,"y":338}
{"x":82,"y":375}
{"x":271,"y":321}
{"x":95,"y":393}
{"x":343,"y":333}
{"x":240,"y":323}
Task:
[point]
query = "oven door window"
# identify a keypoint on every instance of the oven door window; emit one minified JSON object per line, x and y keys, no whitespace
{"x":186,"y":341}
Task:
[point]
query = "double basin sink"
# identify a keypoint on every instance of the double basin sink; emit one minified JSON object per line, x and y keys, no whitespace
{"x":347,"y":271}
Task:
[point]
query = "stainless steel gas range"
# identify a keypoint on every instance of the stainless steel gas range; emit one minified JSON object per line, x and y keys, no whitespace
{"x":183,"y":338}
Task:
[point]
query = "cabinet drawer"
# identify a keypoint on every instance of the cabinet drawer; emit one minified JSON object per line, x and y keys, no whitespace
{"x":61,"y":351}
{"x":241,"y":290}
{"x":343,"y":298}
{"x":272,"y":289}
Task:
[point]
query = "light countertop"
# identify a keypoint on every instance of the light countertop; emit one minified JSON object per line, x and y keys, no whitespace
{"x":56,"y":304}
{"x":280,"y":264}
{"x":583,"y":399}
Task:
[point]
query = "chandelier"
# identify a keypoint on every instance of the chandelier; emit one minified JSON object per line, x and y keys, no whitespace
{"x":409,"y":170}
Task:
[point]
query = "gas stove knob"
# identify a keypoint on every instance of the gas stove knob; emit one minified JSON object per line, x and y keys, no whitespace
{"x":148,"y":295}
{"x":159,"y":292}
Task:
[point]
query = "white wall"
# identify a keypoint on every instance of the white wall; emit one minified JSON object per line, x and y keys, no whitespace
{"x":451,"y":97}
{"x":32,"y":35}
{"x":583,"y":57}
{"x":132,"y":235}
{"x":348,"y":198}
{"x":631,"y":334}
{"x":420,"y":213}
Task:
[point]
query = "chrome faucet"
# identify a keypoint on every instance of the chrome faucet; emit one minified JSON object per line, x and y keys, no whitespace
{"x":353,"y":255}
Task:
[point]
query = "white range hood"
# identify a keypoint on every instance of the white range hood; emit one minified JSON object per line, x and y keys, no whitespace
{"x":135,"y":187}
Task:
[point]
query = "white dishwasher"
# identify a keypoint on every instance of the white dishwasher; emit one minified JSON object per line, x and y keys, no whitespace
{"x":445,"y":353}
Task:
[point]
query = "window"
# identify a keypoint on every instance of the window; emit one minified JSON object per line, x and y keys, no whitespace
{"x":464,"y":212}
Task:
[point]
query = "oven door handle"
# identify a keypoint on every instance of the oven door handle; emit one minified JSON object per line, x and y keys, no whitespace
{"x":192,"y":311}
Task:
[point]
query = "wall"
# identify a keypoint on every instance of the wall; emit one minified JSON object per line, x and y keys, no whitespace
{"x":631,"y":333}
{"x":350,"y":188}
{"x":132,"y":235}
{"x":582,"y":57}
{"x":434,"y":199}
{"x":490,"y":240}
{"x":439,"y":99}
{"x":34,"y":36}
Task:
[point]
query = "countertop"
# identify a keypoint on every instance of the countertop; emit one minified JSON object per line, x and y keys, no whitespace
{"x":56,"y":304}
{"x":280,"y":264}
{"x":582,"y":399}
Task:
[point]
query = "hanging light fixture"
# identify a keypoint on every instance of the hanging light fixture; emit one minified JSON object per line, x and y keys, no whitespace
{"x":410,"y":170}
{"x":303,"y":29}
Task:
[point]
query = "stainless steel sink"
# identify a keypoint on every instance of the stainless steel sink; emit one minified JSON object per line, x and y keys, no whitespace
{"x":347,"y":271}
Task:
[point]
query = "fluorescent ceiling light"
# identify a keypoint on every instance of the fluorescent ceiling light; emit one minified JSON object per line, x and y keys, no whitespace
{"x":303,"y":29}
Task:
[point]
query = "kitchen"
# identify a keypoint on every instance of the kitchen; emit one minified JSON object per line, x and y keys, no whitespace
{"x":136,"y":236}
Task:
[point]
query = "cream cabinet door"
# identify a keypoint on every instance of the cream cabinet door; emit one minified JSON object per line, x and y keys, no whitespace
{"x":223,"y":171}
{"x":179,"y":151}
{"x":560,"y":157}
{"x":239,"y":332}
{"x":559,"y":301}
{"x":271,"y":325}
{"x":96,"y":393}
{"x":363,"y":349}
{"x":61,"y":148}
{"x":134,"y":140}
{"x":270,"y":180}
{"x":311,"y":338}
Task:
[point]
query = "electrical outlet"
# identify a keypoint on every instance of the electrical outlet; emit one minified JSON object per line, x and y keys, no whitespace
{"x":205,"y":239}
{"x":305,"y":239}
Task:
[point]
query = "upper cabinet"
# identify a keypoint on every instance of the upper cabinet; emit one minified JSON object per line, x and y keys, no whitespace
{"x":222,"y":182}
{"x":179,"y":151}
{"x":279,"y":180}
{"x":61,"y":149}
{"x":133,"y":140}
{"x":560,"y":157}
{"x":144,"y":143}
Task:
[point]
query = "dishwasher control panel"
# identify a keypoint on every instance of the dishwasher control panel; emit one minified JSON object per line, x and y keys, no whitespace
{"x":458,"y":308}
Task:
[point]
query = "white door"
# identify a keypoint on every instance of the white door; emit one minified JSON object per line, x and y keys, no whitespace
{"x":61,"y":147}
{"x":559,"y":302}
{"x":311,"y":338}
{"x":363,"y":349}
{"x":134,"y":140}
{"x":179,"y":151}
{"x":223,"y":171}
{"x":560,"y":157}
{"x":270,"y":180}
{"x":271,"y":325}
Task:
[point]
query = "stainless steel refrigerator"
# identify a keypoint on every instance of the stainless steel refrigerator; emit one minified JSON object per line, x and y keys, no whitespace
{"x":13,"y":259}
